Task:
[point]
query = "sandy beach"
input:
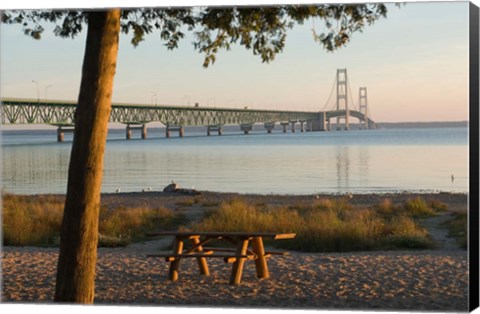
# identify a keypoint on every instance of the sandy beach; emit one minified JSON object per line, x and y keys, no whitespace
{"x":386,"y":280}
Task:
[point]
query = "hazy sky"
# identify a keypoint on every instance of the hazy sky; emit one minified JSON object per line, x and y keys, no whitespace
{"x":414,"y":64}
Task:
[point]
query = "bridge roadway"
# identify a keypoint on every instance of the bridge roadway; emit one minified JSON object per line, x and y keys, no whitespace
{"x":175,"y":118}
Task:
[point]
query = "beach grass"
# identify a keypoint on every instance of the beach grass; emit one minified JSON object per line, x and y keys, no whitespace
{"x":35,"y":220}
{"x":417,"y":207}
{"x":458,"y":228}
{"x":123,"y":225}
{"x":31,"y":220}
{"x":329,"y":225}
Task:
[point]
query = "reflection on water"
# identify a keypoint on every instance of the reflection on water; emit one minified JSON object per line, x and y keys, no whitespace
{"x":344,"y":163}
{"x":299,"y":163}
{"x":343,"y":168}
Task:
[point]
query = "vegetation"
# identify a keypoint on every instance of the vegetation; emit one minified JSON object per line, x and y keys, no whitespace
{"x":36,"y":221}
{"x":418,"y":208}
{"x":31,"y":220}
{"x":458,"y":228}
{"x":324,"y":225}
{"x":130,"y":224}
{"x":329,"y":225}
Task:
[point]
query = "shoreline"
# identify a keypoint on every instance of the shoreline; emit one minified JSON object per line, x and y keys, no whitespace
{"x":455,"y":201}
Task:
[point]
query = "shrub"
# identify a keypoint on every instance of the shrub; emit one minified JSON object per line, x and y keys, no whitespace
{"x":322,"y":226}
{"x":403,"y":232}
{"x":36,"y":220}
{"x":458,"y":228}
{"x":129,"y":224}
{"x":438,"y":206}
{"x":387,"y":207}
{"x":31,"y":220}
{"x":418,"y":208}
{"x":337,"y":229}
{"x":237,"y":215}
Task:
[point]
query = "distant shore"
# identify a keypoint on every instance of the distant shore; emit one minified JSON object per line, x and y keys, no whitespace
{"x":428,"y":124}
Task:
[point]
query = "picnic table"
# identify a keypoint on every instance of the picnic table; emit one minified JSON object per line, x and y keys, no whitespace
{"x":192,"y":245}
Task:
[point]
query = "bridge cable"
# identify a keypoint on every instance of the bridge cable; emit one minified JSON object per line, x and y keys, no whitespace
{"x":351,"y":98}
{"x":331,"y":93}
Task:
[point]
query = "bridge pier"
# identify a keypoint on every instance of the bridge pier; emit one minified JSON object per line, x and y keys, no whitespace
{"x":284,"y":124}
{"x":246,"y":127}
{"x":322,"y":120}
{"x":321,"y":123}
{"x":369,"y":124}
{"x":142,"y":127}
{"x":339,"y":125}
{"x":345,"y":127}
{"x":214,"y":128}
{"x":269,"y":126}
{"x":302,"y":125}
{"x":292,"y":122}
{"x":170,"y":128}
{"x":61,"y":131}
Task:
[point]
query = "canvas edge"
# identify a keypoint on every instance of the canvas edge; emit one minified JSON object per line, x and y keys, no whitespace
{"x":473,"y":244}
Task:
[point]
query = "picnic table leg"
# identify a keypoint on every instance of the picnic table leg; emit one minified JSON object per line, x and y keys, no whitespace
{"x":175,"y":265}
{"x":237,"y":268}
{"x":260,"y":261}
{"x":202,"y":261}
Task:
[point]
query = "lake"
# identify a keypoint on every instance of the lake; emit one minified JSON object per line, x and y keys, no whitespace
{"x":356,"y":161}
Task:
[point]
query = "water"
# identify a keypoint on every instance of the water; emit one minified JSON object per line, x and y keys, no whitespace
{"x":413,"y":160}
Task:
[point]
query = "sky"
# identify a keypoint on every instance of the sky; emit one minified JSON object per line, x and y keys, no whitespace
{"x":414,"y":64}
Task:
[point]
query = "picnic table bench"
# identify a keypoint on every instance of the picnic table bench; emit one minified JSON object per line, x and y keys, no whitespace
{"x":237,"y":254}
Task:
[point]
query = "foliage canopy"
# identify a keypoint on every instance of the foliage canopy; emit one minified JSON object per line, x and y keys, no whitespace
{"x":260,"y":29}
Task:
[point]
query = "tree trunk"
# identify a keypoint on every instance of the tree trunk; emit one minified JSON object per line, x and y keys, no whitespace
{"x":79,"y":235}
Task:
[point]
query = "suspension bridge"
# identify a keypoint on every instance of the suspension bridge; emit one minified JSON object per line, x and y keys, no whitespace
{"x":176,"y":118}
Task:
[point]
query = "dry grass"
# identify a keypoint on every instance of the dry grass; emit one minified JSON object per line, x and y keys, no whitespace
{"x":36,"y":221}
{"x":458,"y":228}
{"x":128,"y":224}
{"x":186,"y":202}
{"x":31,"y":220}
{"x":418,"y":208}
{"x":324,"y":225}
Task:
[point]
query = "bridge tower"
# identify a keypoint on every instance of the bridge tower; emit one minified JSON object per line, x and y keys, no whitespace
{"x":363,"y":104}
{"x":342,"y":96}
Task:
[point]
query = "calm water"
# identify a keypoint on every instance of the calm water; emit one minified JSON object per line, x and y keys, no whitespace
{"x":420,"y":160}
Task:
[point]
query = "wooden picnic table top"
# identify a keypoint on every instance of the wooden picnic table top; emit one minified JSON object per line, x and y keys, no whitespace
{"x":217,"y":234}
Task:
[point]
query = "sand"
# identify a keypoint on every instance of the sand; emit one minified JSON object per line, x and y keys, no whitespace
{"x":386,"y":280}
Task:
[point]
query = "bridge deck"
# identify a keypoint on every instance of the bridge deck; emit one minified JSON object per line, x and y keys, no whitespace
{"x":55,"y":112}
